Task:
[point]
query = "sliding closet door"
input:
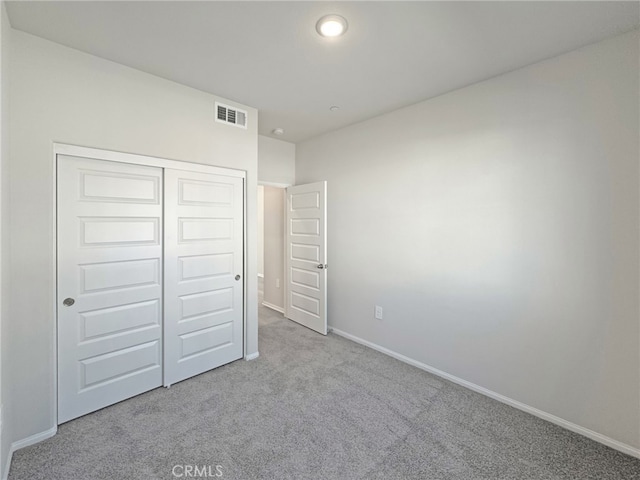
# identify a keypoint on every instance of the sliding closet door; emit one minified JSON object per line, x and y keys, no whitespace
{"x":203,"y":268}
{"x":109,"y":283}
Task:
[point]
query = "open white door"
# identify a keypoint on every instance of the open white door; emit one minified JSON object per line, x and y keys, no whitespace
{"x":306,"y":257}
{"x":109,"y":283}
{"x":203,"y":272}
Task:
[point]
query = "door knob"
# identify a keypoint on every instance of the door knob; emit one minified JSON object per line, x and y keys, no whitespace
{"x":237,"y":277}
{"x":67,"y":302}
{"x":322,"y":266}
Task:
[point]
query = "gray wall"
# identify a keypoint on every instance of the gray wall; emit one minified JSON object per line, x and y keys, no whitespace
{"x":497,"y":226}
{"x":276,"y":161}
{"x":5,"y":397}
{"x":274,"y":246}
{"x":62,"y":95}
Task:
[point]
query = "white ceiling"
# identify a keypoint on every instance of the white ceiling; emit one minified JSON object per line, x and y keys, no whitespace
{"x":269,"y":56}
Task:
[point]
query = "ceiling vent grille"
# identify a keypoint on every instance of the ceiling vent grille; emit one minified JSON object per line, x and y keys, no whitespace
{"x":231,"y":115}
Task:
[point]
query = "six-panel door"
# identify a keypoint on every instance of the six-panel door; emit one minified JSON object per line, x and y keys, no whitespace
{"x":109,"y":283}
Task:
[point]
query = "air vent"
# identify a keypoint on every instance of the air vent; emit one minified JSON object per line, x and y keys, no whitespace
{"x":231,"y":115}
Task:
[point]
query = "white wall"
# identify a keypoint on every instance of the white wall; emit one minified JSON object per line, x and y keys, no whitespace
{"x":5,"y":397}
{"x":274,"y":246}
{"x":260,"y":215}
{"x":497,"y":226}
{"x":276,"y":161}
{"x":62,"y":95}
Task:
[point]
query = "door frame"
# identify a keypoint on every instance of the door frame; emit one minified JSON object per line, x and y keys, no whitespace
{"x":131,"y":158}
{"x":285,"y":278}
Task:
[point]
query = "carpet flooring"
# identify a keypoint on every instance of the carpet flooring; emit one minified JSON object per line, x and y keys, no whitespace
{"x":314,"y":407}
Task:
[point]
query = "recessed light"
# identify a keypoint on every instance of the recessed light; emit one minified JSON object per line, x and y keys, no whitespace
{"x":278,"y":131}
{"x":331,"y":25}
{"x":333,"y":108}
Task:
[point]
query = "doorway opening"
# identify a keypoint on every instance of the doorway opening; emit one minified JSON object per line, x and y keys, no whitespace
{"x":271,"y":247}
{"x":292,"y":243}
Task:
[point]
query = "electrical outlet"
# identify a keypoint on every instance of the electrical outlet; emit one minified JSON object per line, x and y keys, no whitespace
{"x":378,"y":312}
{"x":277,"y":283}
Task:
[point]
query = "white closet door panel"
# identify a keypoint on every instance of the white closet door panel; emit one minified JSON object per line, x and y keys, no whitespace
{"x":110,"y":264}
{"x":203,"y":266}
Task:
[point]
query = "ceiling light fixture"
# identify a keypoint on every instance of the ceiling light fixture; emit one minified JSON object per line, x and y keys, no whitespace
{"x":278,"y":131}
{"x":333,"y":108}
{"x":331,"y":25}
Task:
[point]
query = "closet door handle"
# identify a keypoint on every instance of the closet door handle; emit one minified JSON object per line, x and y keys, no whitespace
{"x":237,"y":277}
{"x":67,"y":302}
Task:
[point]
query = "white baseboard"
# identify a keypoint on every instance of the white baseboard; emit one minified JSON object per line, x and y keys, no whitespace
{"x":252,"y":356}
{"x":25,"y":442}
{"x":598,"y":437}
{"x":273,"y":307}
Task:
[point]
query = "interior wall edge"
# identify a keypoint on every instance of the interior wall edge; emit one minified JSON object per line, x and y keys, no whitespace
{"x":6,"y":378}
